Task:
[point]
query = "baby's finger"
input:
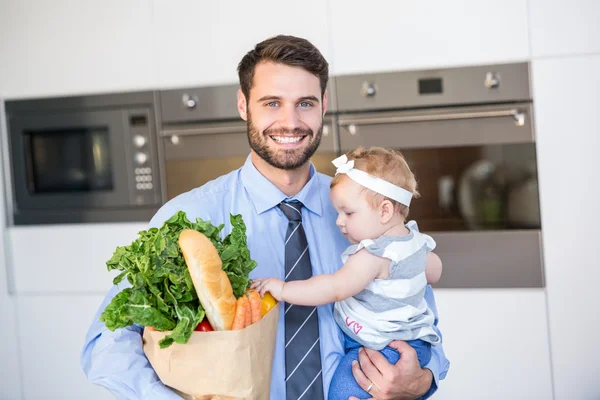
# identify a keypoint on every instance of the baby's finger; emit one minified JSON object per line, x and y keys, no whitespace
{"x":262,"y":291}
{"x":256,"y":283}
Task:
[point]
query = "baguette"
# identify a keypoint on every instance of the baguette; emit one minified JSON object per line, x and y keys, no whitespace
{"x":210,"y":281}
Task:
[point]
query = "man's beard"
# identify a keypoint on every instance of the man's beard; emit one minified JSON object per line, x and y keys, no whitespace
{"x":283,"y":159}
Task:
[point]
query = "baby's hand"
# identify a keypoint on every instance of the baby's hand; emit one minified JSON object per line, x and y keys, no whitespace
{"x":272,"y":285}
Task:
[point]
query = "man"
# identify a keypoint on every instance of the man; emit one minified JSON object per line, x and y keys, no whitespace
{"x":283,"y":100}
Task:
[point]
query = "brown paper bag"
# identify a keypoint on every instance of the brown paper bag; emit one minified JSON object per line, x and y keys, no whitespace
{"x":220,"y":365}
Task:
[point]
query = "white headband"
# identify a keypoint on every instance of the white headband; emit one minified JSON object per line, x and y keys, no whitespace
{"x":374,"y":183}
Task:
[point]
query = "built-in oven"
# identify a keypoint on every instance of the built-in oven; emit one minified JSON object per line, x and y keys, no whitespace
{"x":83,"y":159}
{"x":468,"y":135}
{"x":203,"y":137}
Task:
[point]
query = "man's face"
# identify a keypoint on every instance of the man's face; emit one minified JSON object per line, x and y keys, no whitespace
{"x":284,"y":114}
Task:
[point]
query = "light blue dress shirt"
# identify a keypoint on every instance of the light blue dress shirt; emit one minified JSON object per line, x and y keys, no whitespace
{"x":116,"y":361}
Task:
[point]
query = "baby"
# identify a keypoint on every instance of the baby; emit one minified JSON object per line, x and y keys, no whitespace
{"x":379,"y":291}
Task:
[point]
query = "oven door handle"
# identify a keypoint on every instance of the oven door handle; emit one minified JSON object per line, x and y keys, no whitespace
{"x":211,"y":130}
{"x":517,"y":115}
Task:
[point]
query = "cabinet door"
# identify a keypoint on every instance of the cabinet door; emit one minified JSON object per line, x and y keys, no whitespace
{"x":497,"y":344}
{"x":67,"y":258}
{"x":384,"y":35}
{"x":567,"y":100}
{"x":71,"y":47}
{"x":10,"y":378}
{"x":52,"y":332}
{"x":202,"y":42}
{"x":564,"y":27}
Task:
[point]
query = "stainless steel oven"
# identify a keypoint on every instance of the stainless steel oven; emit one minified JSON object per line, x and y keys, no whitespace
{"x":203,"y":137}
{"x":83,"y":158}
{"x":468,"y":134}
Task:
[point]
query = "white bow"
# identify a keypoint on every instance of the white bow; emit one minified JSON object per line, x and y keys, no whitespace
{"x":374,"y":183}
{"x":342,"y":164}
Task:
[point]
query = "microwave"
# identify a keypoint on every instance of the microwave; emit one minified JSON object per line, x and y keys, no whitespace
{"x":83,"y":159}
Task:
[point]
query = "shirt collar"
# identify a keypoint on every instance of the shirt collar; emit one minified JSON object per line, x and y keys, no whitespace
{"x":264,"y":195}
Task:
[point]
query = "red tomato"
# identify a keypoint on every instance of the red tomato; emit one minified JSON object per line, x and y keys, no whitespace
{"x":204,"y":326}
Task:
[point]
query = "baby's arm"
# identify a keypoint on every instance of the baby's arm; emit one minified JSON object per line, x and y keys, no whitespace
{"x":433,"y":268}
{"x":358,"y":271}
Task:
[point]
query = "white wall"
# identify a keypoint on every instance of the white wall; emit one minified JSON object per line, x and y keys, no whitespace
{"x":565,"y":45}
{"x":201,"y":42}
{"x":562,"y":28}
{"x":72,"y":47}
{"x":567,"y":93}
{"x":383,"y":35}
{"x":500,"y":342}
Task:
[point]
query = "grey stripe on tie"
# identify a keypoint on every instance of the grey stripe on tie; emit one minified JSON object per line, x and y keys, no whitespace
{"x":298,"y":330}
{"x":293,"y":208}
{"x":300,"y":362}
{"x":288,"y":309}
{"x":313,"y":381}
{"x":297,"y":261}
{"x":294,"y":231}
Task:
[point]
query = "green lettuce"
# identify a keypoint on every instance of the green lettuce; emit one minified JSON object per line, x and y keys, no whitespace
{"x":162,"y":293}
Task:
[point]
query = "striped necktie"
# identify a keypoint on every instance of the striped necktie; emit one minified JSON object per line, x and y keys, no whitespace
{"x":302,"y":345}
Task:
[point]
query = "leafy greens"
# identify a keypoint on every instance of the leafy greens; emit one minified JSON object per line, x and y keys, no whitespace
{"x":162,"y":293}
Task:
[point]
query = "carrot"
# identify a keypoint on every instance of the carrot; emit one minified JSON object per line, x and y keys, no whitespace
{"x":254,"y":305}
{"x":241,"y":307}
{"x":247,"y":310}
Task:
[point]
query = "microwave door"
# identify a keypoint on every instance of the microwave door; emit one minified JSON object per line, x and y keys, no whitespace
{"x":77,"y":161}
{"x":70,"y":161}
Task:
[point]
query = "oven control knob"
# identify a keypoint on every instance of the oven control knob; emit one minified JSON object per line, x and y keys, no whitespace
{"x":492,"y":80}
{"x":189,"y":101}
{"x":368,"y":89}
{"x":141,"y":158}
{"x":139,"y":141}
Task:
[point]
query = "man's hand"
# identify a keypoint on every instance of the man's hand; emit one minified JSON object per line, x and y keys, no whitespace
{"x":404,"y":381}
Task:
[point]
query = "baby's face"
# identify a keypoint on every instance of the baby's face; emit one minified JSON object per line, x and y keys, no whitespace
{"x":357,"y":219}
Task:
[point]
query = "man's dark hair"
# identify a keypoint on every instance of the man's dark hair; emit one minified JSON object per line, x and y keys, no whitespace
{"x":288,"y":50}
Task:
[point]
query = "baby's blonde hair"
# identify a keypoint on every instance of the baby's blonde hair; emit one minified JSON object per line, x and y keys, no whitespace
{"x":387,"y":164}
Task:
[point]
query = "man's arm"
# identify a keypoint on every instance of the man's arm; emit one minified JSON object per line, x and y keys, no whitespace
{"x":116,"y":360}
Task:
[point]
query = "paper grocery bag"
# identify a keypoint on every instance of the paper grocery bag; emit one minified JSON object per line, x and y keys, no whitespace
{"x":219,"y":365}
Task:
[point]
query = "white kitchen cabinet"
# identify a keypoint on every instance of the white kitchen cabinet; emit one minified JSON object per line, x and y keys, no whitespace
{"x":67,"y":258}
{"x":200,"y":43}
{"x":52,"y":334}
{"x":564,"y":27}
{"x":497,"y":344}
{"x":10,"y":378}
{"x":381,"y":35}
{"x":72,"y":47}
{"x":567,"y":100}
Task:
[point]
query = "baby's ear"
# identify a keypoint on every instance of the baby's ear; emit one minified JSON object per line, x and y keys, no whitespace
{"x":386,"y":209}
